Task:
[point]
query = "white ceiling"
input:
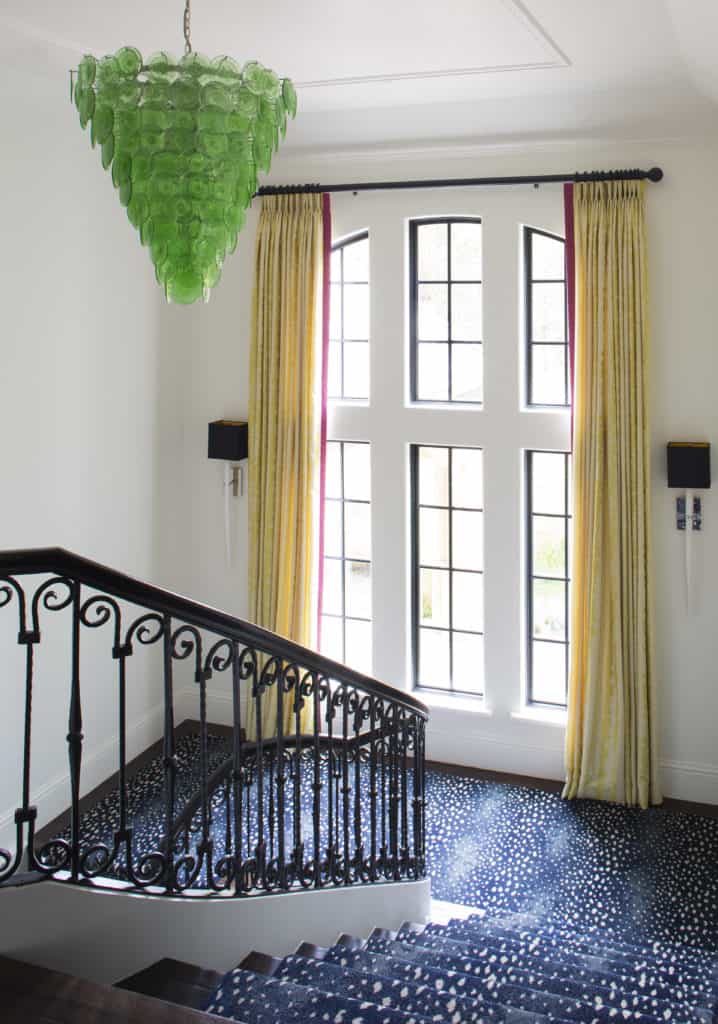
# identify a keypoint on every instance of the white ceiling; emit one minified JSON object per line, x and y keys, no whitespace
{"x":381,"y":72}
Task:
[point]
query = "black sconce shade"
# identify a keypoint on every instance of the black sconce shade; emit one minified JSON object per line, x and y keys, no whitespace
{"x":228,"y":440}
{"x":689,"y":464}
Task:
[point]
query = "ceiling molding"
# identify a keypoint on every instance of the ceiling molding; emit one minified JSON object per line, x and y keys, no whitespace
{"x":556,"y":58}
{"x":458,"y":149}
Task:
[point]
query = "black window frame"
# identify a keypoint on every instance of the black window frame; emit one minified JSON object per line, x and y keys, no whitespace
{"x":340,"y":246}
{"x":531,"y":576}
{"x":529,"y":280}
{"x":344,"y":558}
{"x":414,"y":225}
{"x":416,"y":568}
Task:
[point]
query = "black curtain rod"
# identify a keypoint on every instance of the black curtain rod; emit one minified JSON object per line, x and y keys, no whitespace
{"x":634,"y":174}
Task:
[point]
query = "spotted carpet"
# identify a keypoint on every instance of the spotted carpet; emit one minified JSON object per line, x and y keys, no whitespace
{"x":640,"y":875}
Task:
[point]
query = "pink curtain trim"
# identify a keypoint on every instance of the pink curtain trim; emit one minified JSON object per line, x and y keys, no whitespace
{"x":327,"y":223}
{"x":570,"y":256}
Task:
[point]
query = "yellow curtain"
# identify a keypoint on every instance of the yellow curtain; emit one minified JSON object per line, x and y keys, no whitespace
{"x":611,"y":742}
{"x":284,"y":429}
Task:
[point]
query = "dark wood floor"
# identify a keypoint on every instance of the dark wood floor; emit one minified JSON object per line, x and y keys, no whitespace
{"x":35,"y":995}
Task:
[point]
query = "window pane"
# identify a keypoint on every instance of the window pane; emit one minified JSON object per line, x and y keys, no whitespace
{"x":433,"y":312}
{"x":466,"y":478}
{"x":448,"y":598}
{"x":548,"y":374}
{"x":434,"y":597}
{"x":356,"y":312}
{"x":332,"y":595}
{"x":467,"y":540}
{"x":468,"y":601}
{"x":356,"y":260}
{"x":434,"y":667}
{"x":347,"y":591}
{"x":548,"y":308}
{"x":433,"y":375}
{"x":433,"y":537}
{"x":549,"y":609}
{"x":356,"y":369}
{"x":357,"y":580}
{"x":335,"y":312}
{"x":548,"y":672}
{"x":466,"y":312}
{"x":335,"y":270}
{"x":548,"y":482}
{"x":334,"y":370}
{"x":333,"y":528}
{"x":468,"y":667}
{"x":332,"y":638}
{"x":432,"y":262}
{"x":357,"y":471}
{"x":549,"y":546}
{"x":357,"y":530}
{"x":333,"y":482}
{"x":466,"y":252}
{"x":547,"y":258}
{"x":358,"y":645}
{"x":466,"y":373}
{"x":433,"y":476}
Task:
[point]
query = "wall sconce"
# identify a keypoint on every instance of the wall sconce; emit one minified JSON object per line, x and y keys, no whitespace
{"x":689,"y":467}
{"x":228,"y":440}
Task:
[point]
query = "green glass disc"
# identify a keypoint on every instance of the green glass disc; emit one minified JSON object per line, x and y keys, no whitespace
{"x":184,"y":140}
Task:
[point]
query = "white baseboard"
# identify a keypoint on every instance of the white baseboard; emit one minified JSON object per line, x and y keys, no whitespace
{"x":684,"y":780}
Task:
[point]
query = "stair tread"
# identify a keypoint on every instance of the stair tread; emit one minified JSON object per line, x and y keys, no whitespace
{"x":393,"y":992}
{"x":175,"y":981}
{"x":259,"y":999}
{"x":706,"y":967}
{"x":675,"y":950}
{"x":541,"y":979}
{"x":596,"y":974}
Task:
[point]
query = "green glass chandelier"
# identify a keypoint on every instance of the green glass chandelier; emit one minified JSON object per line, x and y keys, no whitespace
{"x":184,"y":140}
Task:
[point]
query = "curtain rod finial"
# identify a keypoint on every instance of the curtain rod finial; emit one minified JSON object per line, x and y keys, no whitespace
{"x":655,"y":174}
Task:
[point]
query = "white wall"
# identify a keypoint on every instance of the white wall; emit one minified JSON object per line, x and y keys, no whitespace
{"x":80,"y":367}
{"x":682,"y":215}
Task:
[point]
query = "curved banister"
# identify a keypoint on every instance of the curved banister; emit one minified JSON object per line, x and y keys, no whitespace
{"x":119,"y":584}
{"x":323,"y":783}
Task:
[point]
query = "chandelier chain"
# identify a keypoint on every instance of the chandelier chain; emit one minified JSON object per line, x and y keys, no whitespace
{"x":186,"y":26}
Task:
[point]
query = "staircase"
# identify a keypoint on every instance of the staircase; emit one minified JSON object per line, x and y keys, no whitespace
{"x":514,"y":968}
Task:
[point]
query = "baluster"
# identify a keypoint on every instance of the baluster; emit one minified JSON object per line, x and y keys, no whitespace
{"x":281,"y":778}
{"x":358,"y":845}
{"x":383,"y":750}
{"x":346,"y":790}
{"x":404,"y":794}
{"x":298,"y":854}
{"x":74,"y":734}
{"x":202,"y":674}
{"x":270,"y":755}
{"x":27,"y":814}
{"x":373,"y":793}
{"x":236,"y":766}
{"x":331,"y":844}
{"x":168,"y":751}
{"x":259,"y":761}
{"x":317,"y":782}
{"x":394,"y":792}
{"x":124,"y":835}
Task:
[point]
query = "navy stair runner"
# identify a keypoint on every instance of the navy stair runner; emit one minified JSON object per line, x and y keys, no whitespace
{"x":508,"y":969}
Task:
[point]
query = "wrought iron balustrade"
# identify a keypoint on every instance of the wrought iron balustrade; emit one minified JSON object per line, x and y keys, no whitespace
{"x":330,"y":792}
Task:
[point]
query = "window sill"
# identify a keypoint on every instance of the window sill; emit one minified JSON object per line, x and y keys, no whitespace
{"x":542,"y":716}
{"x":464,"y":704}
